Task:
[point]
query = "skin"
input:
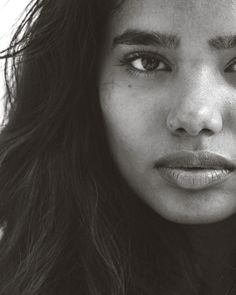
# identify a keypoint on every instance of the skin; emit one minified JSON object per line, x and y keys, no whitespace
{"x":189,"y":107}
{"x":196,"y":95}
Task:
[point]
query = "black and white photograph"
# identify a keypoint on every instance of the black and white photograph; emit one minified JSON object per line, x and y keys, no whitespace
{"x":117,"y":147}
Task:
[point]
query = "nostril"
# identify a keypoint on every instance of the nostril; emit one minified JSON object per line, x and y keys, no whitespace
{"x":206,"y":132}
{"x":180,"y":131}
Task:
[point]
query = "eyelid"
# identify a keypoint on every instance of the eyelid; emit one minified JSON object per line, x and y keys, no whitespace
{"x":140,"y":53}
{"x":132,"y":56}
{"x":231,"y":63}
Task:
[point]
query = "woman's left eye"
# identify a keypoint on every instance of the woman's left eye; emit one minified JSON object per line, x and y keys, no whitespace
{"x":145,"y":63}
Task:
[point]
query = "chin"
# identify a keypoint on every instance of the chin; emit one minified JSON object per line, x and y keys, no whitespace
{"x":196,"y":217}
{"x":190,"y":207}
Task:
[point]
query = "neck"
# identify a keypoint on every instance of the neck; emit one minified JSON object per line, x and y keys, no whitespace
{"x":213,"y":248}
{"x":213,"y":239}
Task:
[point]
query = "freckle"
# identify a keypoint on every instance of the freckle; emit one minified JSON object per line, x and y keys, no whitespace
{"x":130,"y":86}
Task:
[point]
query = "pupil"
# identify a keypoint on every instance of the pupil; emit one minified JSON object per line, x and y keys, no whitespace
{"x":149,"y":63}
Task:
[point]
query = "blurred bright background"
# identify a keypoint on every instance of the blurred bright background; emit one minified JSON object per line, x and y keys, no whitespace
{"x":10,"y":11}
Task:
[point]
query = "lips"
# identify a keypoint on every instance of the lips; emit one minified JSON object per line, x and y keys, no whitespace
{"x":202,"y":160}
{"x":195,"y":170}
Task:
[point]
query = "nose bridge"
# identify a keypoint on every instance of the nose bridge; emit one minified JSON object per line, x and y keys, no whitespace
{"x":195,"y":107}
{"x":194,"y":97}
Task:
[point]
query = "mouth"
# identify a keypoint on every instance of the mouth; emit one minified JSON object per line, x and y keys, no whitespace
{"x":194,"y":170}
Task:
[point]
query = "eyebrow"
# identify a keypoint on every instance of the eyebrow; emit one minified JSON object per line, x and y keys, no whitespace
{"x":223,"y":42}
{"x":136,"y":37}
{"x":169,"y":41}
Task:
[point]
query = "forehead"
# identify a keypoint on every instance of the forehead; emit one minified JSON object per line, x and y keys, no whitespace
{"x":203,"y":17}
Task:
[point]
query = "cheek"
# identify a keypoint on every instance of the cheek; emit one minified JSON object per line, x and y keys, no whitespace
{"x":132,"y":123}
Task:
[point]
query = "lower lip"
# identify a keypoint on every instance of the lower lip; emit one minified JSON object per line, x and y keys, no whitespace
{"x":194,"y":178}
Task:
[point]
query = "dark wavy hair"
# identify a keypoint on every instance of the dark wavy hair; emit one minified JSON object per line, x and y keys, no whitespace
{"x":71,"y":223}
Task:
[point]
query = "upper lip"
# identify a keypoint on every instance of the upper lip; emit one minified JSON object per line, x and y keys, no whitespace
{"x":189,"y":159}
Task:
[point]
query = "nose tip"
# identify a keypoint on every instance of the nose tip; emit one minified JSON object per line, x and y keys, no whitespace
{"x":193,"y":122}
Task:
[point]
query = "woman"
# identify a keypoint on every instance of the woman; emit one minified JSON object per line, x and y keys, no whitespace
{"x":118,"y":152}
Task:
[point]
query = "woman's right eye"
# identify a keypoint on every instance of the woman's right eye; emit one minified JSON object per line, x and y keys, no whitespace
{"x":145,"y":63}
{"x":231,"y":68}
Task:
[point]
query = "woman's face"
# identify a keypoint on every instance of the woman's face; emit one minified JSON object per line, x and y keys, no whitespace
{"x":168,"y":97}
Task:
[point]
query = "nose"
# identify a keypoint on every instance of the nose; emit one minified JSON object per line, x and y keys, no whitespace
{"x":196,"y":109}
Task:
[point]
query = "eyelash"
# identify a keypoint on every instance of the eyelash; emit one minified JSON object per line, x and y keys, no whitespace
{"x":130,"y":58}
{"x":231,"y":64}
